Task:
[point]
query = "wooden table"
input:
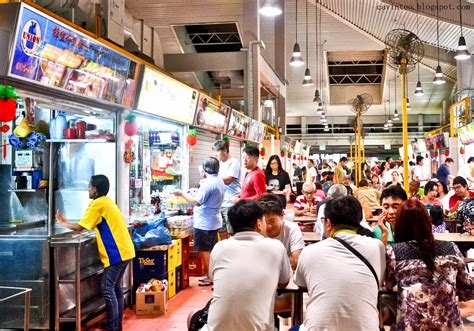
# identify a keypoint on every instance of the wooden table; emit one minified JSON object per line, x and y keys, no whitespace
{"x":306,"y":218}
{"x":374,"y":219}
{"x":311,"y":237}
{"x":455,"y":237}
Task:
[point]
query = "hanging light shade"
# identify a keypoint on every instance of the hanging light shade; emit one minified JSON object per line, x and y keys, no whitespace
{"x":270,"y":8}
{"x":389,"y":122}
{"x":296,"y":58}
{"x":323,"y":114}
{"x":317,"y":97}
{"x":396,"y":116}
{"x":462,"y":53}
{"x":418,"y":89}
{"x":308,"y":81}
{"x":320,"y":106}
{"x":439,"y":79}
{"x":326,"y":128}
{"x":324,"y":120}
{"x":385,"y":126}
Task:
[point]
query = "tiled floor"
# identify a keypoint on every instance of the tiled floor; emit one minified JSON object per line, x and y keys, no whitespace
{"x":194,"y":297}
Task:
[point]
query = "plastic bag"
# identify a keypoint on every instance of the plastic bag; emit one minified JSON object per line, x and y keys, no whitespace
{"x":152,"y":233}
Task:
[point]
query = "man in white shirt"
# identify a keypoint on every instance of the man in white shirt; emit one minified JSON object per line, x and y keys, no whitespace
{"x":229,"y":171}
{"x":246,"y":269}
{"x":419,"y":173}
{"x":310,"y":171}
{"x":342,"y":289}
{"x":288,"y":233}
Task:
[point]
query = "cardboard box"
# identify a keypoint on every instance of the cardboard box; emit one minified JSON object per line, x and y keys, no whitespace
{"x":151,"y":303}
{"x":196,"y":266}
{"x":138,"y":280}
{"x":150,"y":263}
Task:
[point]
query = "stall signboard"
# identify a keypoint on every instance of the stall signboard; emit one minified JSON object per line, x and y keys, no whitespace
{"x":437,"y":141}
{"x":256,"y":132}
{"x":238,"y":126}
{"x":166,"y":97}
{"x":211,"y":114}
{"x":459,"y":115}
{"x":51,"y":53}
{"x":466,"y":134}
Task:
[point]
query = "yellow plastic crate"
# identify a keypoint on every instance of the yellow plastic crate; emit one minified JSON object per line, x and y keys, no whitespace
{"x":172,"y":257}
{"x":179,"y":253}
{"x":171,"y":283}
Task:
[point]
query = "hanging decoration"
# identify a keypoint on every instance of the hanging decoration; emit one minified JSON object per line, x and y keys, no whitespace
{"x":262,"y":151}
{"x":427,"y":156}
{"x":247,"y":144}
{"x":282,"y":152}
{"x":294,"y":157}
{"x":436,"y":154}
{"x":289,"y":154}
{"x":446,"y":153}
{"x":227,"y":141}
{"x":7,"y":106}
{"x":461,"y":150}
{"x":191,"y":138}
{"x":413,"y":156}
{"x":130,"y":128}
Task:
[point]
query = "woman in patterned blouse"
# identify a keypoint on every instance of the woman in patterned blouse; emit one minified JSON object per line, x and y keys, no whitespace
{"x":429,"y":273}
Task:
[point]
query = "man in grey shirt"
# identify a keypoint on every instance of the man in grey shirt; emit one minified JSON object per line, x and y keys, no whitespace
{"x":229,"y":171}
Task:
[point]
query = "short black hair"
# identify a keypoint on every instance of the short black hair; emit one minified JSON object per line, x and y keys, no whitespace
{"x":429,"y":186}
{"x":244,"y":215}
{"x":343,"y":159}
{"x":101,"y":184}
{"x":252,"y":151}
{"x":470,"y":159}
{"x":344,"y":211}
{"x":220,"y":145}
{"x":363,"y":183}
{"x":460,"y":180}
{"x":445,"y":187}
{"x":388,"y":158}
{"x":419,"y":158}
{"x":282,"y":199}
{"x":436,"y":215}
{"x":449,"y":160}
{"x":395,"y":192}
{"x":318,"y":186}
{"x":270,"y":203}
{"x":311,"y":160}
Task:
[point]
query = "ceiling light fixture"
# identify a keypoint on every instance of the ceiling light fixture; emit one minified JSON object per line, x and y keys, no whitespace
{"x":270,"y":8}
{"x":317,"y":95}
{"x":308,"y":81}
{"x":418,"y":89}
{"x":296,"y":58}
{"x":461,"y":53}
{"x":439,"y":79}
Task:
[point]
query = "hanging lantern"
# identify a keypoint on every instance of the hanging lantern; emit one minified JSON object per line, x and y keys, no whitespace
{"x":461,"y":150}
{"x":191,"y":138}
{"x":282,"y":153}
{"x":413,"y":156}
{"x":227,"y":141}
{"x":436,"y":154}
{"x":130,"y":127}
{"x":446,"y":153}
{"x":427,"y":156}
{"x":129,"y":155}
{"x":289,"y":155}
{"x":262,"y":151}
{"x":294,"y":157}
{"x":7,"y":104}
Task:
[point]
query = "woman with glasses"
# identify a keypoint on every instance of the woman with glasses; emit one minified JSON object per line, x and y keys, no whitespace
{"x":278,"y":180}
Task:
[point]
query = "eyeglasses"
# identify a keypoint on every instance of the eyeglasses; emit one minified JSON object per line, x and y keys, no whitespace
{"x":306,"y":192}
{"x":269,"y":203}
{"x":457,"y":187}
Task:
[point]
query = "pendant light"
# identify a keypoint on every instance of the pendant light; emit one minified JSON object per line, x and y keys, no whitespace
{"x":461,"y":53}
{"x":296,"y":58}
{"x":385,"y":125}
{"x":389,"y":120}
{"x":317,"y":95}
{"x":395,"y":80}
{"x":307,"y":81}
{"x":270,"y":8}
{"x":396,"y":116}
{"x":439,"y":79}
{"x":418,"y":88}
{"x":326,"y":128}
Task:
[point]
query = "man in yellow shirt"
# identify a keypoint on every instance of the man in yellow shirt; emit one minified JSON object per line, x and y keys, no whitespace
{"x":114,"y":244}
{"x":339,"y":172}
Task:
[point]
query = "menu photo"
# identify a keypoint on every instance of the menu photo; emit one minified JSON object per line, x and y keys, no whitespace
{"x":211,"y":115}
{"x":238,"y":126}
{"x":256,"y":132}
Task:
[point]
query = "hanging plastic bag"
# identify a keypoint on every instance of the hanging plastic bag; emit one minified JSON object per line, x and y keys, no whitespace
{"x":152,"y":233}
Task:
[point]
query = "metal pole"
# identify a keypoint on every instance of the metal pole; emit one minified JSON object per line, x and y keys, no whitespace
{"x":405,"y":124}
{"x":27,"y":310}
{"x":359,"y":155}
{"x":78,"y":287}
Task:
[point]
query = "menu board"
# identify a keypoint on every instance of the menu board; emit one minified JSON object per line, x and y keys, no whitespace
{"x":52,"y":54}
{"x":437,"y":141}
{"x":166,"y":97}
{"x":256,"y":132}
{"x":238,"y":126}
{"x":466,"y":134}
{"x":211,"y":115}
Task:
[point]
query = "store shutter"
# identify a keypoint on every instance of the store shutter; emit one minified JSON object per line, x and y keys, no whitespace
{"x":203,"y":149}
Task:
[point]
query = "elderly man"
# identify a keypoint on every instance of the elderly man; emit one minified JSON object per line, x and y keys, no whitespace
{"x":343,"y":287}
{"x":307,"y":202}
{"x":207,"y":212}
{"x":336,"y":191}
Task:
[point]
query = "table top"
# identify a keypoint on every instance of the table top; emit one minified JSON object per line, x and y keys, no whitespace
{"x":373,"y":219}
{"x":454,"y":237}
{"x":305,"y":218}
{"x":311,"y":237}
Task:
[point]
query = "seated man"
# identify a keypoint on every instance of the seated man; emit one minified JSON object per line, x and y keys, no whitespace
{"x":307,"y":202}
{"x":336,"y":191}
{"x":342,"y":289}
{"x":288,"y":233}
{"x":246,"y":269}
{"x":461,"y":192}
{"x":391,"y":198}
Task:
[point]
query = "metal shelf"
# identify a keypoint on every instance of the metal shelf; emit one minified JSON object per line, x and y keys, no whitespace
{"x":71,"y":141}
{"x":85,"y":273}
{"x":27,"y":190}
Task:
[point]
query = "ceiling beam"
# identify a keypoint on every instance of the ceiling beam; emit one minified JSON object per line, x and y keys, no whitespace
{"x":204,"y":61}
